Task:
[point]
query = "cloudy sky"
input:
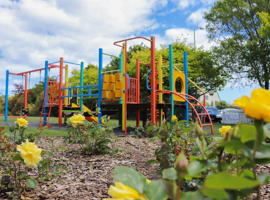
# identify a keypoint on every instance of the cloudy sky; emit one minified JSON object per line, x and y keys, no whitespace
{"x":32,"y":31}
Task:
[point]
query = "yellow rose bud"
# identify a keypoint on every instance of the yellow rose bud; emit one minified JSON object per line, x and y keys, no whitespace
{"x":122,"y":191}
{"x":174,"y":118}
{"x":224,"y":129}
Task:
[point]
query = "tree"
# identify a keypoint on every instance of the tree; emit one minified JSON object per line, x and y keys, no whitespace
{"x":242,"y":51}
{"x":90,"y":76}
{"x":264,"y":31}
{"x":222,"y":105}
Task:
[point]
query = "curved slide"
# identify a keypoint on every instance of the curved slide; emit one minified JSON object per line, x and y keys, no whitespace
{"x":85,"y":109}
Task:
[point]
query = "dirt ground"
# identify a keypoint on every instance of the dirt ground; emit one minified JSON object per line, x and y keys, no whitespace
{"x":90,"y":177}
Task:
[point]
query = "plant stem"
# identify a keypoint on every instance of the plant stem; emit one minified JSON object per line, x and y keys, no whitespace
{"x":179,"y":191}
{"x":258,"y":125}
{"x":219,"y":159}
{"x":237,"y":164}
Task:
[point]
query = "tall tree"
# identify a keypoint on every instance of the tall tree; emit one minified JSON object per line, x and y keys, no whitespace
{"x":265,"y":29}
{"x":242,"y":51}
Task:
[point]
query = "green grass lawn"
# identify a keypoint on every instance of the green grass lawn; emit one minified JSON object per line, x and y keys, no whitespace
{"x":50,"y":132}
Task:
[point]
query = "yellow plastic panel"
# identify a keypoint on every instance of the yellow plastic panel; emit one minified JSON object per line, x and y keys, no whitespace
{"x":118,"y":93}
{"x":111,"y":95}
{"x":118,"y":77}
{"x":106,"y":78}
{"x":112,"y":78}
{"x":181,"y":76}
{"x":112,"y":86}
{"x":106,"y":86}
{"x":105,"y":94}
{"x":119,"y":85}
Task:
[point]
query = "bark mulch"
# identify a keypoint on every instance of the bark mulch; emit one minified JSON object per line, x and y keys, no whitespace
{"x":90,"y":177}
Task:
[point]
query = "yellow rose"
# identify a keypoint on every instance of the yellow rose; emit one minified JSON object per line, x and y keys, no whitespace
{"x":21,"y":122}
{"x":224,"y":129}
{"x":121,"y":191}
{"x":256,"y":107}
{"x":30,"y":153}
{"x":174,"y":118}
{"x":77,"y":120}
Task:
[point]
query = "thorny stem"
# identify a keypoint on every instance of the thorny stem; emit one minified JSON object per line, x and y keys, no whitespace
{"x":202,"y":149}
{"x":221,"y":152}
{"x":179,"y":191}
{"x":237,"y":164}
{"x":258,"y":125}
{"x":219,"y":159}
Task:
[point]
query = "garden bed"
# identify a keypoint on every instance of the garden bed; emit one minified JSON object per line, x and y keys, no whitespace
{"x":90,"y":177}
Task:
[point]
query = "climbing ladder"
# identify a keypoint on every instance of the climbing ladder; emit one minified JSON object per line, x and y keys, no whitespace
{"x":51,"y":98}
{"x":157,"y":83}
{"x":189,"y":98}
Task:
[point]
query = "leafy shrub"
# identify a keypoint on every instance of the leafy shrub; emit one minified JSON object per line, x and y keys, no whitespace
{"x":93,"y":138}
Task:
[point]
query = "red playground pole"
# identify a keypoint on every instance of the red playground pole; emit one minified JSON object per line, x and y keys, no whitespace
{"x":138,"y":91}
{"x":153,"y":82}
{"x":126,"y":84}
{"x":204,"y":106}
{"x":60,"y":92}
{"x":25,"y":95}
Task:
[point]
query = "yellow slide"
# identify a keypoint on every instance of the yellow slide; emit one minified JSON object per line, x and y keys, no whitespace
{"x":85,"y":109}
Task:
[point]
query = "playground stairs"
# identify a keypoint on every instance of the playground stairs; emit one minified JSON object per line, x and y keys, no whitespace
{"x":50,"y":99}
{"x":200,"y":117}
{"x":157,"y":100}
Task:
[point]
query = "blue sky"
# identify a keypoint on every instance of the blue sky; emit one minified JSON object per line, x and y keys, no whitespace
{"x":33,"y":31}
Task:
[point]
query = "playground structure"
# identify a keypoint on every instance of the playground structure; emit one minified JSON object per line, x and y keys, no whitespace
{"x":117,"y":87}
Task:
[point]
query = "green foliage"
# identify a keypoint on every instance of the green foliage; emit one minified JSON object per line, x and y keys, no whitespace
{"x":200,"y":66}
{"x":222,"y":105}
{"x":174,"y":139}
{"x":13,"y":168}
{"x":220,"y":171}
{"x":143,"y":132}
{"x":155,"y":190}
{"x":242,"y":51}
{"x":94,"y":138}
{"x":90,"y":76}
{"x":19,"y":134}
{"x":47,"y":168}
{"x":264,"y":31}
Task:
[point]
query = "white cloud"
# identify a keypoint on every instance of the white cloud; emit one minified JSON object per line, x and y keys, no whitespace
{"x":196,"y":17}
{"x":186,"y":3}
{"x":33,"y":31}
{"x":188,"y":34}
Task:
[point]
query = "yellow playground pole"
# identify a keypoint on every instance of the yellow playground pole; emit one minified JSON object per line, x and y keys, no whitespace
{"x":160,"y":87}
{"x":123,"y":95}
{"x":66,"y":91}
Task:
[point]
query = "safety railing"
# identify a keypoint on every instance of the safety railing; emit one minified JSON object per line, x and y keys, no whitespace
{"x":53,"y":93}
{"x":79,"y":95}
{"x":132,"y":92}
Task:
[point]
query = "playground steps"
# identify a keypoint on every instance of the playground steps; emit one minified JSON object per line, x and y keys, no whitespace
{"x":189,"y":98}
{"x":50,"y":100}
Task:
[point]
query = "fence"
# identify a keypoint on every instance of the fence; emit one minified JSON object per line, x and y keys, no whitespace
{"x":231,"y":118}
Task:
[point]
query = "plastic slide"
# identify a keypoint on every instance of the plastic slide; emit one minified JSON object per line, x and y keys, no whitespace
{"x":85,"y":109}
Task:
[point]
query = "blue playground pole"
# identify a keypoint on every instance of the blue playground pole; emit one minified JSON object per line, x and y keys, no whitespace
{"x":171,"y":80}
{"x":186,"y":81}
{"x":81,"y":84}
{"x":100,"y":84}
{"x":45,"y":89}
{"x":6,"y":97}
